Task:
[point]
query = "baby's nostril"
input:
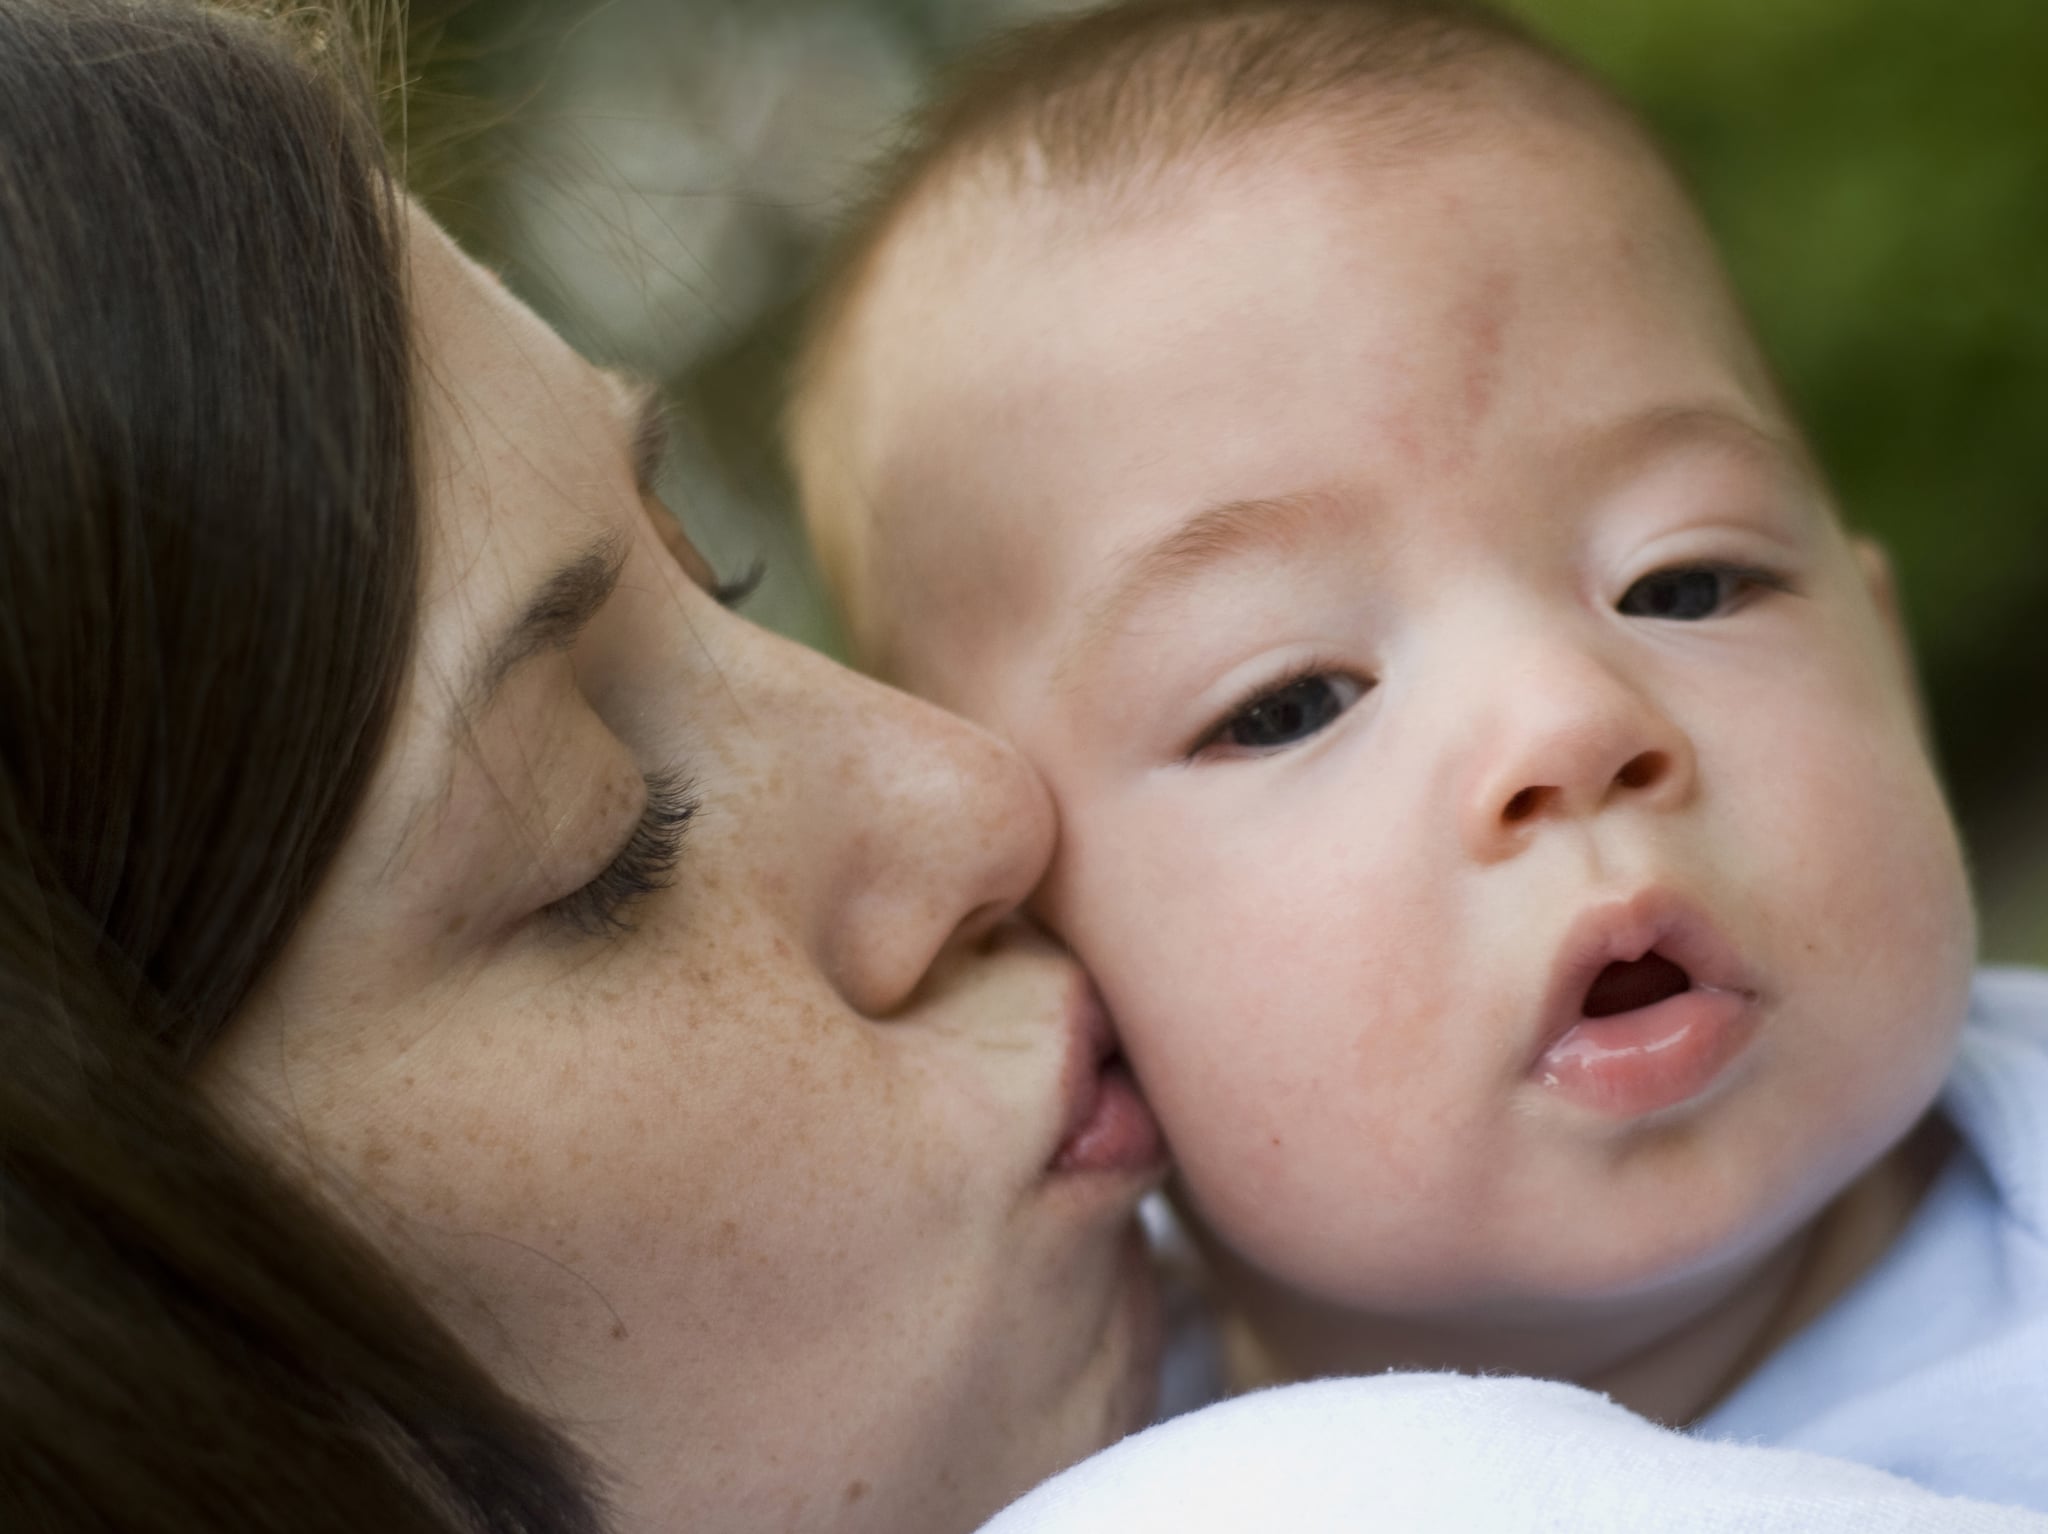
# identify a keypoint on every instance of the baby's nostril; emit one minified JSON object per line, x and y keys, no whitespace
{"x":1642,"y":771}
{"x":1522,"y":805}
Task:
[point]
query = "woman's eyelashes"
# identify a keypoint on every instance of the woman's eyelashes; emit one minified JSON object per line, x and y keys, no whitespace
{"x":646,"y":863}
{"x":726,"y":591}
{"x":1691,"y":592}
{"x":731,"y":591}
{"x":1283,"y":713}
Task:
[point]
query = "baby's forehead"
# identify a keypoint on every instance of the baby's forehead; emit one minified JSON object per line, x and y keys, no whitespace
{"x":970,"y":231}
{"x":975,"y":212}
{"x":984,"y":294}
{"x":991,"y":308}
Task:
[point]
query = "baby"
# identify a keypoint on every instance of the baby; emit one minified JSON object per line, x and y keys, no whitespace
{"x":1494,"y":805}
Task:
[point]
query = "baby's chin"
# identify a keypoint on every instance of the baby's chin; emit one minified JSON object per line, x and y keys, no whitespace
{"x":1554,"y":1283}
{"x":1588,"y":1249}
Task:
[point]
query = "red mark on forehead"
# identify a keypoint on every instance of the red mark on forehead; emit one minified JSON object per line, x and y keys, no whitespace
{"x":1480,"y":322}
{"x":1446,"y":396}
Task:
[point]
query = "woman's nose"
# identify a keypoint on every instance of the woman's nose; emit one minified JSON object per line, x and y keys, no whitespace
{"x":1570,"y":739}
{"x":920,"y":832}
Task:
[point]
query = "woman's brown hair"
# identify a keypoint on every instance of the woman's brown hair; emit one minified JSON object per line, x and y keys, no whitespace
{"x":208,"y":536}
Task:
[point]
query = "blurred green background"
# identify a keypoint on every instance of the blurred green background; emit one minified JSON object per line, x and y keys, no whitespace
{"x":656,"y":176}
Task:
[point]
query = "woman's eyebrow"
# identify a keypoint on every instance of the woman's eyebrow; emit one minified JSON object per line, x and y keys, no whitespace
{"x":559,"y":609}
{"x":563,"y":604}
{"x":556,"y":610}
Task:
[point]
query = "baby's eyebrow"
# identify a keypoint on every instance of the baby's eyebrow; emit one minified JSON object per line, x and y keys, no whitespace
{"x":1215,"y":535}
{"x":1641,"y":438}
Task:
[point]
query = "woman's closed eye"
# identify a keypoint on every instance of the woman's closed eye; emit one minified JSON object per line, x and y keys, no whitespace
{"x":1689,"y":593}
{"x":1284,"y":713}
{"x":646,"y":863}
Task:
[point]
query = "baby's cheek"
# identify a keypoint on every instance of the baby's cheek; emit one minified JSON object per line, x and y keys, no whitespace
{"x":1867,"y":869}
{"x":1862,"y":913}
{"x":1278,"y":1025}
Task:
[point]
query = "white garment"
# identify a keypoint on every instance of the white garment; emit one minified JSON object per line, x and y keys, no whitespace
{"x":1935,"y":1365}
{"x":1427,"y":1452}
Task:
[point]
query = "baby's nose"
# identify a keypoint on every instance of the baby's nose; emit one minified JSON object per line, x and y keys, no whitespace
{"x":1575,"y":740}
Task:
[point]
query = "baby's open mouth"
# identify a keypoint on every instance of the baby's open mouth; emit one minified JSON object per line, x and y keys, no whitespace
{"x":1624,"y":1038}
{"x":1629,"y":984}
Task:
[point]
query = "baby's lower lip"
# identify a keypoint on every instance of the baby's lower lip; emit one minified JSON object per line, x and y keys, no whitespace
{"x":1634,"y":1063}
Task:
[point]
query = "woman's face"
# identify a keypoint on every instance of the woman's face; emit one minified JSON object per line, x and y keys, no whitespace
{"x":786,"y":1179}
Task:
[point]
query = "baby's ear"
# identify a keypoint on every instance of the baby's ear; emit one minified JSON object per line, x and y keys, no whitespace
{"x":1876,"y":567}
{"x":1877,"y":575}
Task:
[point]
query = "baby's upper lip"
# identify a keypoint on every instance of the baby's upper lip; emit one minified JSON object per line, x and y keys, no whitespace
{"x":1621,"y":928}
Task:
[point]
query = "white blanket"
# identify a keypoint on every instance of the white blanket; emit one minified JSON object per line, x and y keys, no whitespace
{"x":1476,"y":1456}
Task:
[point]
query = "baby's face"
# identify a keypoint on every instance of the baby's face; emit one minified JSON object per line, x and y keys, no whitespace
{"x":1492,"y":798}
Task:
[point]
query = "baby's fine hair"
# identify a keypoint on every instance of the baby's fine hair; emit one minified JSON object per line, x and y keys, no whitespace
{"x":1140,"y":85}
{"x":1106,"y":104}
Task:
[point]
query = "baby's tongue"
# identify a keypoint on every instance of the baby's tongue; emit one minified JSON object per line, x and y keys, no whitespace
{"x":1643,"y":982}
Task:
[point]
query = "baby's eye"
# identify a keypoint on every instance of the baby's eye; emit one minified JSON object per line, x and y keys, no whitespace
{"x":1290,"y":712}
{"x":1688,"y":593}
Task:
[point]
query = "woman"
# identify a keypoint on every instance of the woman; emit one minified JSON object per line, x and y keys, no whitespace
{"x":649,"y":991}
{"x":493,"y":1041}
{"x":665,"y":1011}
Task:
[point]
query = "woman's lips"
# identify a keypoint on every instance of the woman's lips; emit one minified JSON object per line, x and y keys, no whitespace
{"x":1108,"y":1127}
{"x":1117,"y":1132}
{"x":1648,"y":1006}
